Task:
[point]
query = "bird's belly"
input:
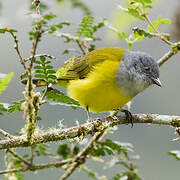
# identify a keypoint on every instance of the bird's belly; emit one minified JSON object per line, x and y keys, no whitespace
{"x":99,"y":91}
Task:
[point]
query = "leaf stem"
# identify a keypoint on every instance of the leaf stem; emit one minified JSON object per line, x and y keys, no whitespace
{"x":162,"y":37}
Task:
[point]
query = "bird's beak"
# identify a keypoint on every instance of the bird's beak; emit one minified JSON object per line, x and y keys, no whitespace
{"x":157,"y":81}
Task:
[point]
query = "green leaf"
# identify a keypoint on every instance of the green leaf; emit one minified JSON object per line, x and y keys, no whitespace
{"x":39,"y":71}
{"x":13,"y":30}
{"x":26,"y":155}
{"x":5,"y":81}
{"x":7,"y":30}
{"x":123,"y":35}
{"x":2,"y":109}
{"x":19,"y":176}
{"x":51,"y":71}
{"x":64,"y":151}
{"x":126,"y":176}
{"x":143,"y":1}
{"x":42,"y":58}
{"x":166,"y":21}
{"x":52,"y":29}
{"x":15,"y":106}
{"x":58,"y":96}
{"x":60,"y":25}
{"x":82,"y":6}
{"x":40,"y":76}
{"x":47,"y":62}
{"x":49,"y":16}
{"x":38,"y":67}
{"x":158,"y":23}
{"x":38,"y":118}
{"x":23,"y":76}
{"x":44,"y":70}
{"x":76,"y":150}
{"x":110,"y":147}
{"x":85,"y":28}
{"x":52,"y":77}
{"x":135,"y":13}
{"x":175,"y":154}
{"x":49,"y":67}
{"x":148,"y":1}
{"x":42,"y":150}
{"x":37,"y":62}
{"x":93,"y":174}
{"x":66,"y":51}
{"x":2,"y":30}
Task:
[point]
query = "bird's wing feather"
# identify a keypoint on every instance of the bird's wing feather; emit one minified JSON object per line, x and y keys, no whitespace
{"x":79,"y":67}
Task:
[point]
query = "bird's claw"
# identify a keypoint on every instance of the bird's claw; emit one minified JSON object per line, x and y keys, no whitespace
{"x":129,"y":116}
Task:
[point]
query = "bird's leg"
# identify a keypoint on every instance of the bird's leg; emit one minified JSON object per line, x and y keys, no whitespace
{"x":88,"y":113}
{"x":128,"y":115}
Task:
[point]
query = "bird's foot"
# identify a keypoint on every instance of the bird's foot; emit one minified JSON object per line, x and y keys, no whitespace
{"x":88,"y":114}
{"x":128,"y":115}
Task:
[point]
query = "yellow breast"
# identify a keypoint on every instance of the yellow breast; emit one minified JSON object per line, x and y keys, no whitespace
{"x":98,"y":91}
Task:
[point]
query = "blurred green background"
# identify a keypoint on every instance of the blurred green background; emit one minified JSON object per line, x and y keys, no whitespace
{"x":151,"y":142}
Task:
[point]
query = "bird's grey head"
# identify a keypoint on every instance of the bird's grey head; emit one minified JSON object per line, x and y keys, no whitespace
{"x":137,"y":71}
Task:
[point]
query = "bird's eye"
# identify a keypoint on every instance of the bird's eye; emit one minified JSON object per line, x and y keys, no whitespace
{"x":147,"y":68}
{"x":135,"y":65}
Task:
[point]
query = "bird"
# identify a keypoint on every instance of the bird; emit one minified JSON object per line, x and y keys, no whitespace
{"x":106,"y":79}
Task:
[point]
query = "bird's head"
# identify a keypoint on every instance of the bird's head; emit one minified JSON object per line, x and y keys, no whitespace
{"x":144,"y":67}
{"x":137,"y":71}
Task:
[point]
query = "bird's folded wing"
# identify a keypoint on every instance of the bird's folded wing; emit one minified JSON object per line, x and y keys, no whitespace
{"x":79,"y":67}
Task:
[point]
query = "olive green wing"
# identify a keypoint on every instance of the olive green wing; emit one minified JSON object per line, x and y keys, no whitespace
{"x":79,"y":67}
{"x":75,"y":68}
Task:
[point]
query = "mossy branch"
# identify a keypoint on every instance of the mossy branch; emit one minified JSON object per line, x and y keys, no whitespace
{"x":88,"y":128}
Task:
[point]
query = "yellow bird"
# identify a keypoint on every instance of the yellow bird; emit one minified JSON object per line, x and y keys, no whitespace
{"x":106,"y":79}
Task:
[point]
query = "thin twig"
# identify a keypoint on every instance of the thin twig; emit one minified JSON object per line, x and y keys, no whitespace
{"x":4,"y":133}
{"x":99,"y":136}
{"x":175,"y":47}
{"x":37,"y":4}
{"x":80,"y":158}
{"x":44,"y":94}
{"x":32,"y":155}
{"x":34,"y":47}
{"x":38,"y":167}
{"x":11,"y":151}
{"x":80,"y":46}
{"x":163,"y":38}
{"x":19,"y":157}
{"x":16,"y":47}
{"x":105,"y":133}
{"x":166,"y":57}
{"x":6,"y":157}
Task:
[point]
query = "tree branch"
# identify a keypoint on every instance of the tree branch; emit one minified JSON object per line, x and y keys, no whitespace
{"x":4,"y":133}
{"x":19,"y":157}
{"x":88,"y":128}
{"x":166,"y":57}
{"x":162,"y":37}
{"x":37,"y":167}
